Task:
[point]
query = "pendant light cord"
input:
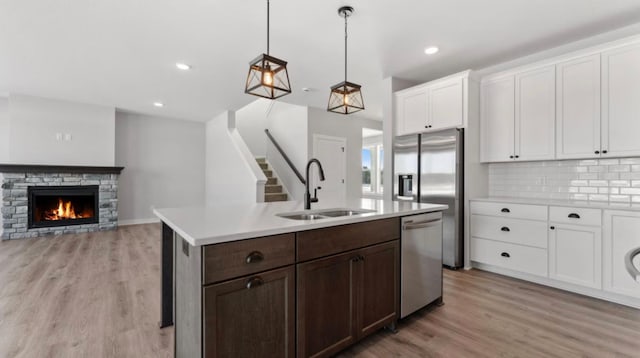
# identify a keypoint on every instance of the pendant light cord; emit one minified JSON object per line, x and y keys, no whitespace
{"x":345,"y":46}
{"x":267,"y":27}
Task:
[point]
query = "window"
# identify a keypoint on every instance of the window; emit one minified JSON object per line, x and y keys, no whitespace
{"x":372,"y":162}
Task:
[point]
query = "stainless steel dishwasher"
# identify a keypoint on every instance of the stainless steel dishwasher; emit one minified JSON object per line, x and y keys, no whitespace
{"x":421,"y":262}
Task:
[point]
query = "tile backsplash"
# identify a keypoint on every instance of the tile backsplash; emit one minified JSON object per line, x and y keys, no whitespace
{"x":602,"y":180}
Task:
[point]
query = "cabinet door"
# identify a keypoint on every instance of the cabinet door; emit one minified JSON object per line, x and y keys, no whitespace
{"x":620,"y":101}
{"x":326,"y":305}
{"x":535,"y":114}
{"x":621,"y":235}
{"x":411,"y":111}
{"x":497,"y":121}
{"x":378,"y":298}
{"x":578,"y":108}
{"x":446,"y":104}
{"x":252,"y":316}
{"x":575,"y":254}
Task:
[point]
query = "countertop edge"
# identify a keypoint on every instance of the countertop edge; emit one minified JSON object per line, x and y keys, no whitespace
{"x":304,"y":226}
{"x":563,"y":203}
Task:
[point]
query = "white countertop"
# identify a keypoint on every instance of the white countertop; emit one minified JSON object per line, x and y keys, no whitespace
{"x":572,"y":203}
{"x":224,"y":223}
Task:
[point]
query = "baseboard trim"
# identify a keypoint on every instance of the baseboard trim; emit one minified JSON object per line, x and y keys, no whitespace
{"x":138,"y":221}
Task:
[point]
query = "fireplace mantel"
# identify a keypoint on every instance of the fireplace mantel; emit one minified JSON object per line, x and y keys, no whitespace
{"x":73,"y":169}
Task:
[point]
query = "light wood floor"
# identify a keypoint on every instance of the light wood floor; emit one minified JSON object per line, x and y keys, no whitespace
{"x":97,"y":295}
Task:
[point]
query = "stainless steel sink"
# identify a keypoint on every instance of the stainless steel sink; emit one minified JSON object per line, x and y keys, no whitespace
{"x":303,"y":216}
{"x":324,"y":214}
{"x":341,"y":212}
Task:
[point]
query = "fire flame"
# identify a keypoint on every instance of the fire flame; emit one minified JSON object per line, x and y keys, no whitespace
{"x":65,"y":211}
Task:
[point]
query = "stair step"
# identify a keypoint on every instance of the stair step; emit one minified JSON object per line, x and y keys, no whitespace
{"x":273,"y":188}
{"x":261,"y":160}
{"x":275,"y":197}
{"x":272,"y":181}
{"x":268,"y":173}
{"x":263,"y":166}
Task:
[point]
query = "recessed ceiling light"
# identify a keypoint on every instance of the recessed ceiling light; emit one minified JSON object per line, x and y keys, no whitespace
{"x":183,"y":66}
{"x":158,"y":104}
{"x":431,"y":50}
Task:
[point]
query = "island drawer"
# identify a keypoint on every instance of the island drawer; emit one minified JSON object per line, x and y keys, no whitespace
{"x":317,"y":243}
{"x":234,"y":259}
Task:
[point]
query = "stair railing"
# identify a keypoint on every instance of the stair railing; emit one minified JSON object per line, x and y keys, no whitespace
{"x":285,"y":156}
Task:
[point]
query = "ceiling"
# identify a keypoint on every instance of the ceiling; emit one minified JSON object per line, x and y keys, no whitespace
{"x":123,"y":53}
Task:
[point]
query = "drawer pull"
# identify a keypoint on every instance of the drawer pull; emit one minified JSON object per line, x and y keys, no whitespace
{"x":505,"y":254}
{"x":552,"y":228}
{"x":574,"y":216}
{"x":255,"y":256}
{"x":254,"y":282}
{"x":505,"y":210}
{"x":504,"y":228}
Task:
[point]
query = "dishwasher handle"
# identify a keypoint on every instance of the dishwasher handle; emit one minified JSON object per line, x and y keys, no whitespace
{"x":631,"y":268}
{"x":420,"y":224}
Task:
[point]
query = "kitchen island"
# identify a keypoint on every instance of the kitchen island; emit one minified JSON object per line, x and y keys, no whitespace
{"x":250,"y":282}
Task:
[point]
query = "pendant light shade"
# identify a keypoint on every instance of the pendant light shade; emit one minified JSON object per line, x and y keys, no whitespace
{"x":345,"y":97}
{"x":268,"y":77}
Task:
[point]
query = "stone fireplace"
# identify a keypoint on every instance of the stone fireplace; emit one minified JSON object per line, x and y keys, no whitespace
{"x":53,"y":200}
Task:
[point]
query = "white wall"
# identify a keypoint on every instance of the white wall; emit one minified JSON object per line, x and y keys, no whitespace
{"x":164,"y":164}
{"x":349,"y":127}
{"x":251,"y":121}
{"x":228,"y":177}
{"x":289,"y":125}
{"x":4,"y":130}
{"x":35,"y":123}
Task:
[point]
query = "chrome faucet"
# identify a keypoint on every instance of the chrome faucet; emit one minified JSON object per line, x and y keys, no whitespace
{"x":307,"y":195}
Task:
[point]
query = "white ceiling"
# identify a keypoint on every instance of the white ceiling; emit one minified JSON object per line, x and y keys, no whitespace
{"x":123,"y":53}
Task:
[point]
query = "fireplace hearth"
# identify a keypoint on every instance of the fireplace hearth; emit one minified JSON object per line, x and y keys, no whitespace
{"x":62,"y":206}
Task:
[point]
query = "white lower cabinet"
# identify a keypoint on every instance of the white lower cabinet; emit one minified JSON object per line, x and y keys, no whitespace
{"x":583,"y":250}
{"x":575,"y":254}
{"x":621,"y":236}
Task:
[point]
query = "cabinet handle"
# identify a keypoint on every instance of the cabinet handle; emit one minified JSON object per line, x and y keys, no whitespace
{"x":254,"y":257}
{"x":511,"y":156}
{"x":361,"y":258}
{"x":505,"y":254}
{"x":517,"y":156}
{"x":604,"y":152}
{"x":574,"y":216}
{"x":552,"y":228}
{"x":355,"y":259}
{"x":597,"y":152}
{"x":504,"y":228}
{"x":505,"y":210}
{"x":426,"y":126}
{"x":254,"y":282}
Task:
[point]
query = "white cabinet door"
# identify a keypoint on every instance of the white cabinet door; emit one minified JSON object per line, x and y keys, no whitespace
{"x":497,"y":121}
{"x":575,"y":254}
{"x":621,"y":101}
{"x":578,"y":108}
{"x":535,"y":114}
{"x":411,"y":114}
{"x":446,"y":104}
{"x":621,"y":235}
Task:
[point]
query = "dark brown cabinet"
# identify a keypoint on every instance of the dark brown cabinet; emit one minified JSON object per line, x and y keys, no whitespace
{"x":253,"y":316}
{"x":344,"y":297}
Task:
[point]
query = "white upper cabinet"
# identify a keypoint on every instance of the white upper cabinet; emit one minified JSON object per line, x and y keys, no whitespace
{"x":621,"y":101}
{"x":411,"y":111}
{"x":535,"y":114}
{"x":497,"y":126}
{"x":432,"y":106}
{"x":446,"y":102}
{"x":578,"y":108}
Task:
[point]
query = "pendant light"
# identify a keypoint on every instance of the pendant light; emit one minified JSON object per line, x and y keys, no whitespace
{"x":345,"y":97}
{"x":268,"y":75}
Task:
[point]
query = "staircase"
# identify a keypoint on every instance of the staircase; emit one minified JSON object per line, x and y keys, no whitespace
{"x":272,"y":190}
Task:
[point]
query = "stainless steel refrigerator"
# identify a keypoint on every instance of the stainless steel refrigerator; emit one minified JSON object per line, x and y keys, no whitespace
{"x":429,"y":168}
